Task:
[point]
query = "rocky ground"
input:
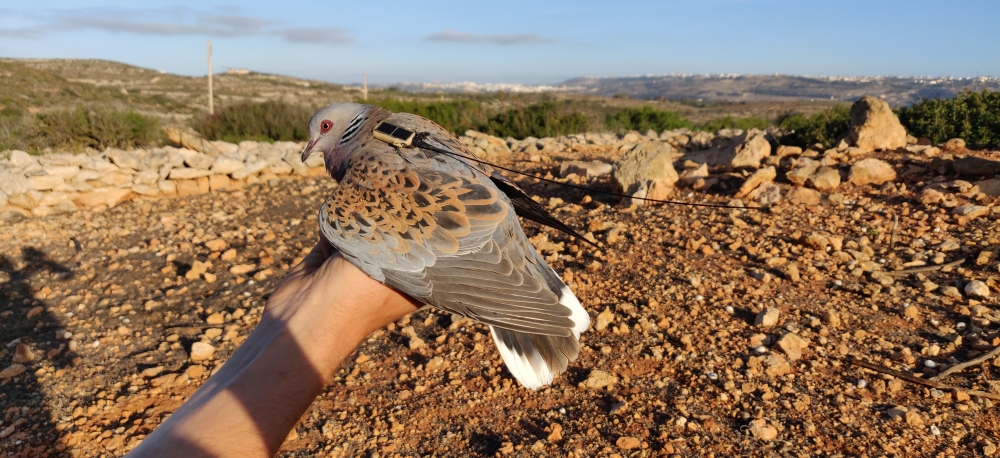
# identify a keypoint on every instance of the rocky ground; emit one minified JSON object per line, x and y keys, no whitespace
{"x":716,"y":331}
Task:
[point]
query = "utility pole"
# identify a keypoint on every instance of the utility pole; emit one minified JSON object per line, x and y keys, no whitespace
{"x":211,"y":99}
{"x":364,"y":86}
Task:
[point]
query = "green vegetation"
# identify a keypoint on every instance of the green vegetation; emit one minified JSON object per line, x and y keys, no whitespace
{"x":544,"y":119}
{"x":95,"y":126}
{"x":645,"y":118}
{"x":971,"y":116}
{"x":729,"y":122}
{"x":455,"y":116}
{"x":266,"y":121}
{"x":823,"y":127}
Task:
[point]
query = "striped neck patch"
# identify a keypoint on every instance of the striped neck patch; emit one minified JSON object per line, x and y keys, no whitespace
{"x":354,"y":127}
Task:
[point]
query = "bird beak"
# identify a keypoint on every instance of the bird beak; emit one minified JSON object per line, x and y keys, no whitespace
{"x":309,"y":149}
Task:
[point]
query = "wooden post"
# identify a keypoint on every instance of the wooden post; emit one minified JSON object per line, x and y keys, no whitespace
{"x":211,"y":99}
{"x":364,"y":87}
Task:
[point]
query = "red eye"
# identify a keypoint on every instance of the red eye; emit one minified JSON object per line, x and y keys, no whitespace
{"x":325,"y":126}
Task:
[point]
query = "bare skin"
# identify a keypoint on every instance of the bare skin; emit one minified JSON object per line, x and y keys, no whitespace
{"x":321,"y":311}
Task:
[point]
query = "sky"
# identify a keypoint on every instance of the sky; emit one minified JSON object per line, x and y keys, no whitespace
{"x":515,"y":41}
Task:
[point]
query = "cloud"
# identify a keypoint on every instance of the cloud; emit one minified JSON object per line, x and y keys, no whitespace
{"x":177,"y":22}
{"x":451,"y":36}
{"x":316,"y":35}
{"x":20,"y":33}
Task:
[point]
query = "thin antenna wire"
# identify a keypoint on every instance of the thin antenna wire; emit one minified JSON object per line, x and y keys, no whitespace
{"x":422,"y":144}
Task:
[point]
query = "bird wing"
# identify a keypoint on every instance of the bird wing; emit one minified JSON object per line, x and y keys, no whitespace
{"x":436,"y":227}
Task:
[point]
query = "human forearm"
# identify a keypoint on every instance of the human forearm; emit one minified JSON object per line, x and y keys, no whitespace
{"x":312,"y":323}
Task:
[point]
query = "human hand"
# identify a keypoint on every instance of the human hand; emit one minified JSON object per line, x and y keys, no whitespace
{"x":325,"y":296}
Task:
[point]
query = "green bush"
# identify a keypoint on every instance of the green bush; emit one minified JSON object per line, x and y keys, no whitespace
{"x":729,"y":122}
{"x":544,"y":119}
{"x":96,"y":126}
{"x":645,"y":118}
{"x":266,"y":121}
{"x":972,"y":116}
{"x":823,"y":127}
{"x":455,"y":116}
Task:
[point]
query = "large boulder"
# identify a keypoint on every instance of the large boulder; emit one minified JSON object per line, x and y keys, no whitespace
{"x":646,"y":171}
{"x":874,"y":126}
{"x":742,"y":151}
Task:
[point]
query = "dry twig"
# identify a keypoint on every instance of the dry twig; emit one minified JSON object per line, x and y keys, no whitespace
{"x":971,"y":362}
{"x":892,"y":233}
{"x":919,"y":381}
{"x":902,"y":273}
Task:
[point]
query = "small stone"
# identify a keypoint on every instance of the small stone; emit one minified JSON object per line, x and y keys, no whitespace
{"x":776,"y":365}
{"x":241,"y":269}
{"x":215,"y":319}
{"x":763,"y":431}
{"x":23,"y":354}
{"x":913,"y":418}
{"x":628,"y":443}
{"x":209,"y":277}
{"x":152,"y":371}
{"x":599,"y":379}
{"x":195,"y":371}
{"x":792,"y":345}
{"x":201,"y":351}
{"x":35,"y":311}
{"x":123,"y":331}
{"x":977,"y":289}
{"x":216,"y":245}
{"x":197,"y":268}
{"x":604,"y":319}
{"x":229,"y":255}
{"x":804,"y":196}
{"x":556,"y":434}
{"x":12,"y":371}
{"x":362,"y":358}
{"x":767,"y":317}
{"x":912,"y":312}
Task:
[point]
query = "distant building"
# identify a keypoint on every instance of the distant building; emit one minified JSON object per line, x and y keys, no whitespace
{"x":237,"y":71}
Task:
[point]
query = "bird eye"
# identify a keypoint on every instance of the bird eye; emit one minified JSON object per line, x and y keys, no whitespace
{"x":325,"y":126}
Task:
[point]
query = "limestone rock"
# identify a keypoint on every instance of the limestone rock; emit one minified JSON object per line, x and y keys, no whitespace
{"x":825,"y":179}
{"x":188,"y":174}
{"x":44,"y":182}
{"x":201,"y":351}
{"x":759,"y":177}
{"x":972,"y":166}
{"x":804,"y":196}
{"x":977,"y":289}
{"x":646,"y":171}
{"x":874,"y":126}
{"x":187,"y":137}
{"x":792,"y":345}
{"x":253,"y":169}
{"x":584,"y":168}
{"x":13,"y":183}
{"x":955,"y":144}
{"x":103,"y":196}
{"x":745,"y":150}
{"x":871,"y":171}
{"x":805,"y":169}
{"x":599,"y":379}
{"x":224,"y":165}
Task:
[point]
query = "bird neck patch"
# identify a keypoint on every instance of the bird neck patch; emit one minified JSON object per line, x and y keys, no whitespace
{"x":393,"y":134}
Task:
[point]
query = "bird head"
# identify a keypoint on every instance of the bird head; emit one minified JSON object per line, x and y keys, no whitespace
{"x":328,"y":126}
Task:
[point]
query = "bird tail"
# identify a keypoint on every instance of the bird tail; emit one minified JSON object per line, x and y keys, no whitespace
{"x":534,"y":359}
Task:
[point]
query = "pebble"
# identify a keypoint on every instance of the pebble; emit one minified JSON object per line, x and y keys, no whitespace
{"x":763,"y":431}
{"x":12,"y":371}
{"x":599,"y":379}
{"x":792,"y":345}
{"x":201,"y":351}
{"x":628,"y":443}
{"x":977,"y":289}
{"x":767,"y":317}
{"x":604,"y":319}
{"x":241,"y":269}
{"x":215,"y":319}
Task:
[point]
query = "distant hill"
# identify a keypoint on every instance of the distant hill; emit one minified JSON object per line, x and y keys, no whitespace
{"x":755,"y":88}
